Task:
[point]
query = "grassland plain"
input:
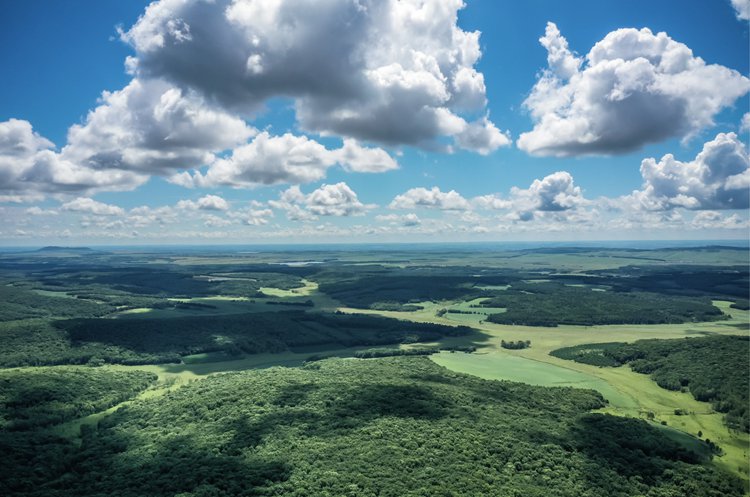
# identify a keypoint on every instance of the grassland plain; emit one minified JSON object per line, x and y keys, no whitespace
{"x":629,"y":393}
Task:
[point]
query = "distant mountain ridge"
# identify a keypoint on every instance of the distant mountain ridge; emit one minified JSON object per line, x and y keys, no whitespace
{"x":56,"y":248}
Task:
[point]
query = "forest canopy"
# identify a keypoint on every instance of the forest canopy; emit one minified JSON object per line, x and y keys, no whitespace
{"x":399,"y":426}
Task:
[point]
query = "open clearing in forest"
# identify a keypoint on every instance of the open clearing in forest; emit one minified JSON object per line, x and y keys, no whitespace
{"x":306,"y":289}
{"x":499,"y":366}
{"x":53,"y":293}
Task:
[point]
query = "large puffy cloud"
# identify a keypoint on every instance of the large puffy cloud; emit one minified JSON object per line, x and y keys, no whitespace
{"x":18,"y":139}
{"x":718,"y":178}
{"x":356,"y":158}
{"x":634,"y":87}
{"x":335,"y":200}
{"x":555,"y":193}
{"x":328,"y":200}
{"x":148,"y":127}
{"x":433,"y":199}
{"x":269,"y":160}
{"x":152,"y":127}
{"x":742,"y":9}
{"x":394,"y":72}
{"x":30,"y":167}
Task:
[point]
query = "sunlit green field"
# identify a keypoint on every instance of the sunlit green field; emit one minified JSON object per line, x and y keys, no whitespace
{"x":495,"y":365}
{"x":307,"y":289}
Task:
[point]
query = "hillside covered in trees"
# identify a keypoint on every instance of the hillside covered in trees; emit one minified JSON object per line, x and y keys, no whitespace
{"x":391,"y":427}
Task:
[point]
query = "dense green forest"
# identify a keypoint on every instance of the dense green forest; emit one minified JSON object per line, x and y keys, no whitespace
{"x":379,"y":292}
{"x":551,"y":304}
{"x":19,"y":303}
{"x":33,"y":398}
{"x":387,"y":427}
{"x":145,"y":340}
{"x":531,"y":302}
{"x":36,"y":342}
{"x":679,"y":279}
{"x":714,"y":368}
{"x":163,"y":281}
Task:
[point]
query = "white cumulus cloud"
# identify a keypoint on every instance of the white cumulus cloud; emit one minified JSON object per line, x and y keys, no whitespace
{"x":633,"y":88}
{"x":555,"y":193}
{"x":258,"y":217}
{"x":718,"y":178}
{"x":715,"y":220}
{"x":354,"y":157}
{"x":433,"y":199}
{"x":328,"y":200}
{"x":38,"y":211}
{"x":30,"y":168}
{"x":335,"y":200}
{"x":152,"y":127}
{"x":269,"y":160}
{"x":91,"y":206}
{"x":745,"y":123}
{"x":206,"y":203}
{"x":407,"y":220}
{"x":742,"y":9}
{"x":387,"y":71}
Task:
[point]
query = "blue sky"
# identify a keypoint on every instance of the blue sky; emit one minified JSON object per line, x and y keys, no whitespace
{"x":577,"y":175}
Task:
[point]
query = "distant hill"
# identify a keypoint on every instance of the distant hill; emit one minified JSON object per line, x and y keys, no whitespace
{"x":56,"y":249}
